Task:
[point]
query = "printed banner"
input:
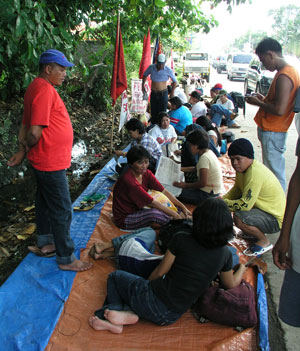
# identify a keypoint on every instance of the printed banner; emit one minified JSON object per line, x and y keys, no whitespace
{"x":138,"y":105}
{"x":125,"y":114}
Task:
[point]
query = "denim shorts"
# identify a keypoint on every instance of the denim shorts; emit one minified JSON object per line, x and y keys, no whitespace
{"x":260,"y":219}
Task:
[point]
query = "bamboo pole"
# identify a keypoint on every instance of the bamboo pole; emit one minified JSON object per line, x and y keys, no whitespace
{"x":113,"y":116}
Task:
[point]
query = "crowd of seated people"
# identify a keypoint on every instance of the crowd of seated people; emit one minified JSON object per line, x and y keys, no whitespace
{"x":148,"y":285}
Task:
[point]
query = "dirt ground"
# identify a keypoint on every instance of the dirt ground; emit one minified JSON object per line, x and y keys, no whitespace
{"x":17,"y":185}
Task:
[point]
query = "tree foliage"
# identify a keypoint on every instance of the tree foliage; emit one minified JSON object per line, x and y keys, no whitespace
{"x":287,"y":27}
{"x":249,"y":40}
{"x":28,"y":27}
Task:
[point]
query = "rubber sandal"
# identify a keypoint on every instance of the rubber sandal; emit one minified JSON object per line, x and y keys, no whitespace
{"x":257,"y":250}
{"x":37,"y":251}
{"x":84,"y":207}
{"x":94,"y":198}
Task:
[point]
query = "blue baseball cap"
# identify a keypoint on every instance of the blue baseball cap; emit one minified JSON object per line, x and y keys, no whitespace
{"x":55,"y":56}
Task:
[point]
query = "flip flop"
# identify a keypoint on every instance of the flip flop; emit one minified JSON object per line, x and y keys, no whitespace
{"x":257,"y":250}
{"x":37,"y":251}
{"x":84,"y":207}
{"x":94,"y":198}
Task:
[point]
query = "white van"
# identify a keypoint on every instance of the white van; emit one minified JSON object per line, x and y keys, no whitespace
{"x":237,"y":65}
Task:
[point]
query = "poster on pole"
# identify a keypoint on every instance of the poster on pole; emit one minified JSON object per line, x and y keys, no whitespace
{"x":138,"y":104}
{"x":125,"y":114}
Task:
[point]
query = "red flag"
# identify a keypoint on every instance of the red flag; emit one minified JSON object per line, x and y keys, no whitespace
{"x":146,"y":56}
{"x":119,"y":80}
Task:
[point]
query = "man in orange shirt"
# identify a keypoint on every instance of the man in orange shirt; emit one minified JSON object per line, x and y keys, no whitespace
{"x":275,"y":112}
{"x":46,"y":138}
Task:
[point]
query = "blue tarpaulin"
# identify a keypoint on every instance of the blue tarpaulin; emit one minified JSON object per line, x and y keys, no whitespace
{"x":33,"y":297}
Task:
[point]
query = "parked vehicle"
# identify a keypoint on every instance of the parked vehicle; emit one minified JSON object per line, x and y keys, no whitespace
{"x":221,"y":64}
{"x":237,"y":65}
{"x":258,"y":79}
{"x":197,"y":62}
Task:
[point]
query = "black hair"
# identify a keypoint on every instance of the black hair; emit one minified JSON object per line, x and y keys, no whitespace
{"x":188,"y":105}
{"x":137,"y":153}
{"x":42,"y":66}
{"x":212,"y":223}
{"x":268,"y":44}
{"x":198,"y":137}
{"x":206,"y":123}
{"x":175,"y":101}
{"x":135,"y":124}
{"x":160,"y":117}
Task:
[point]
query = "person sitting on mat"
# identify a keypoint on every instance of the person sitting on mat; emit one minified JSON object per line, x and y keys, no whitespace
{"x":209,"y":172}
{"x":130,"y":195}
{"x":137,"y":131}
{"x":190,"y":264}
{"x":257,"y":198}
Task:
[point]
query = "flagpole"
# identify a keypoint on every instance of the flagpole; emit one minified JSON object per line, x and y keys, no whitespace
{"x":113,"y":116}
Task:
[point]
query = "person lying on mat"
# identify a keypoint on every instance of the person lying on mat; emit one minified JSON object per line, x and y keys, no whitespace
{"x":209,"y":172}
{"x":257,"y":198}
{"x":133,"y":252}
{"x":190,"y":264}
{"x":130,"y":196}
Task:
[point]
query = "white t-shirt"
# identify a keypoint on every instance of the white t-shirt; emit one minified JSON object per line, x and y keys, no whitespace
{"x":228,"y":104}
{"x":214,"y":134}
{"x":199,"y":109}
{"x":163,"y":136}
{"x":181,"y":94}
{"x":214,"y":177}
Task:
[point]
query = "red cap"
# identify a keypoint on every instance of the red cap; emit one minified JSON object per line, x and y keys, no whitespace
{"x":218,"y":86}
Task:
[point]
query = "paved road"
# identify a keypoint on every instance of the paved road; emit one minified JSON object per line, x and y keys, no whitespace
{"x":281,"y":336}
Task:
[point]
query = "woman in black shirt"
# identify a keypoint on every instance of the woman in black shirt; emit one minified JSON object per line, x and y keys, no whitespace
{"x":189,"y":266}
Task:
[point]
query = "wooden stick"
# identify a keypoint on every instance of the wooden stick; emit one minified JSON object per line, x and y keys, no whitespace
{"x":112,"y":131}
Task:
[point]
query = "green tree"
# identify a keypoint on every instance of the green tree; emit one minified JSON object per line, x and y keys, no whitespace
{"x":287,"y":27}
{"x":249,"y":40}
{"x":28,"y":27}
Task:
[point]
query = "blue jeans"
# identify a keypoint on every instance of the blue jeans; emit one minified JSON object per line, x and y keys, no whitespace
{"x":129,"y":292}
{"x":159,"y":103}
{"x":147,"y":234}
{"x":53,"y":210}
{"x":273,"y":145}
{"x":217,"y":112}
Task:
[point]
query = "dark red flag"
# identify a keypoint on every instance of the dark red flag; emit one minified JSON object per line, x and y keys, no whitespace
{"x":119,"y":80}
{"x":146,"y":56}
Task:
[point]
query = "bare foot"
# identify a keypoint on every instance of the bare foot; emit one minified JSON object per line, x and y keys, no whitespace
{"x":121,"y":317}
{"x":76,"y":266}
{"x":48,"y":248}
{"x":102,"y":250}
{"x":100,"y":324}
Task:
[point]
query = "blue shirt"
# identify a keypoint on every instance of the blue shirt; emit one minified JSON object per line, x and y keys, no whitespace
{"x":160,"y":76}
{"x":180,"y":118}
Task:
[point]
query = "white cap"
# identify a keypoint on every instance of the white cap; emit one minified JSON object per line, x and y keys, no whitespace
{"x":161,"y":58}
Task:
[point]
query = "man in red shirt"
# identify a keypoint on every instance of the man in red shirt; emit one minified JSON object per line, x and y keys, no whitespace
{"x":46,"y":137}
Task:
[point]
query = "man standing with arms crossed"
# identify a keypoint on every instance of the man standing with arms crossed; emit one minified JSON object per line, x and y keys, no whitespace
{"x":46,"y":136}
{"x":275,"y":112}
{"x":160,"y":74}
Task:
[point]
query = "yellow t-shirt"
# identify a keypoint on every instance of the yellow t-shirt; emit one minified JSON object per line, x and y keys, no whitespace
{"x":214,"y":180}
{"x":257,"y":187}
